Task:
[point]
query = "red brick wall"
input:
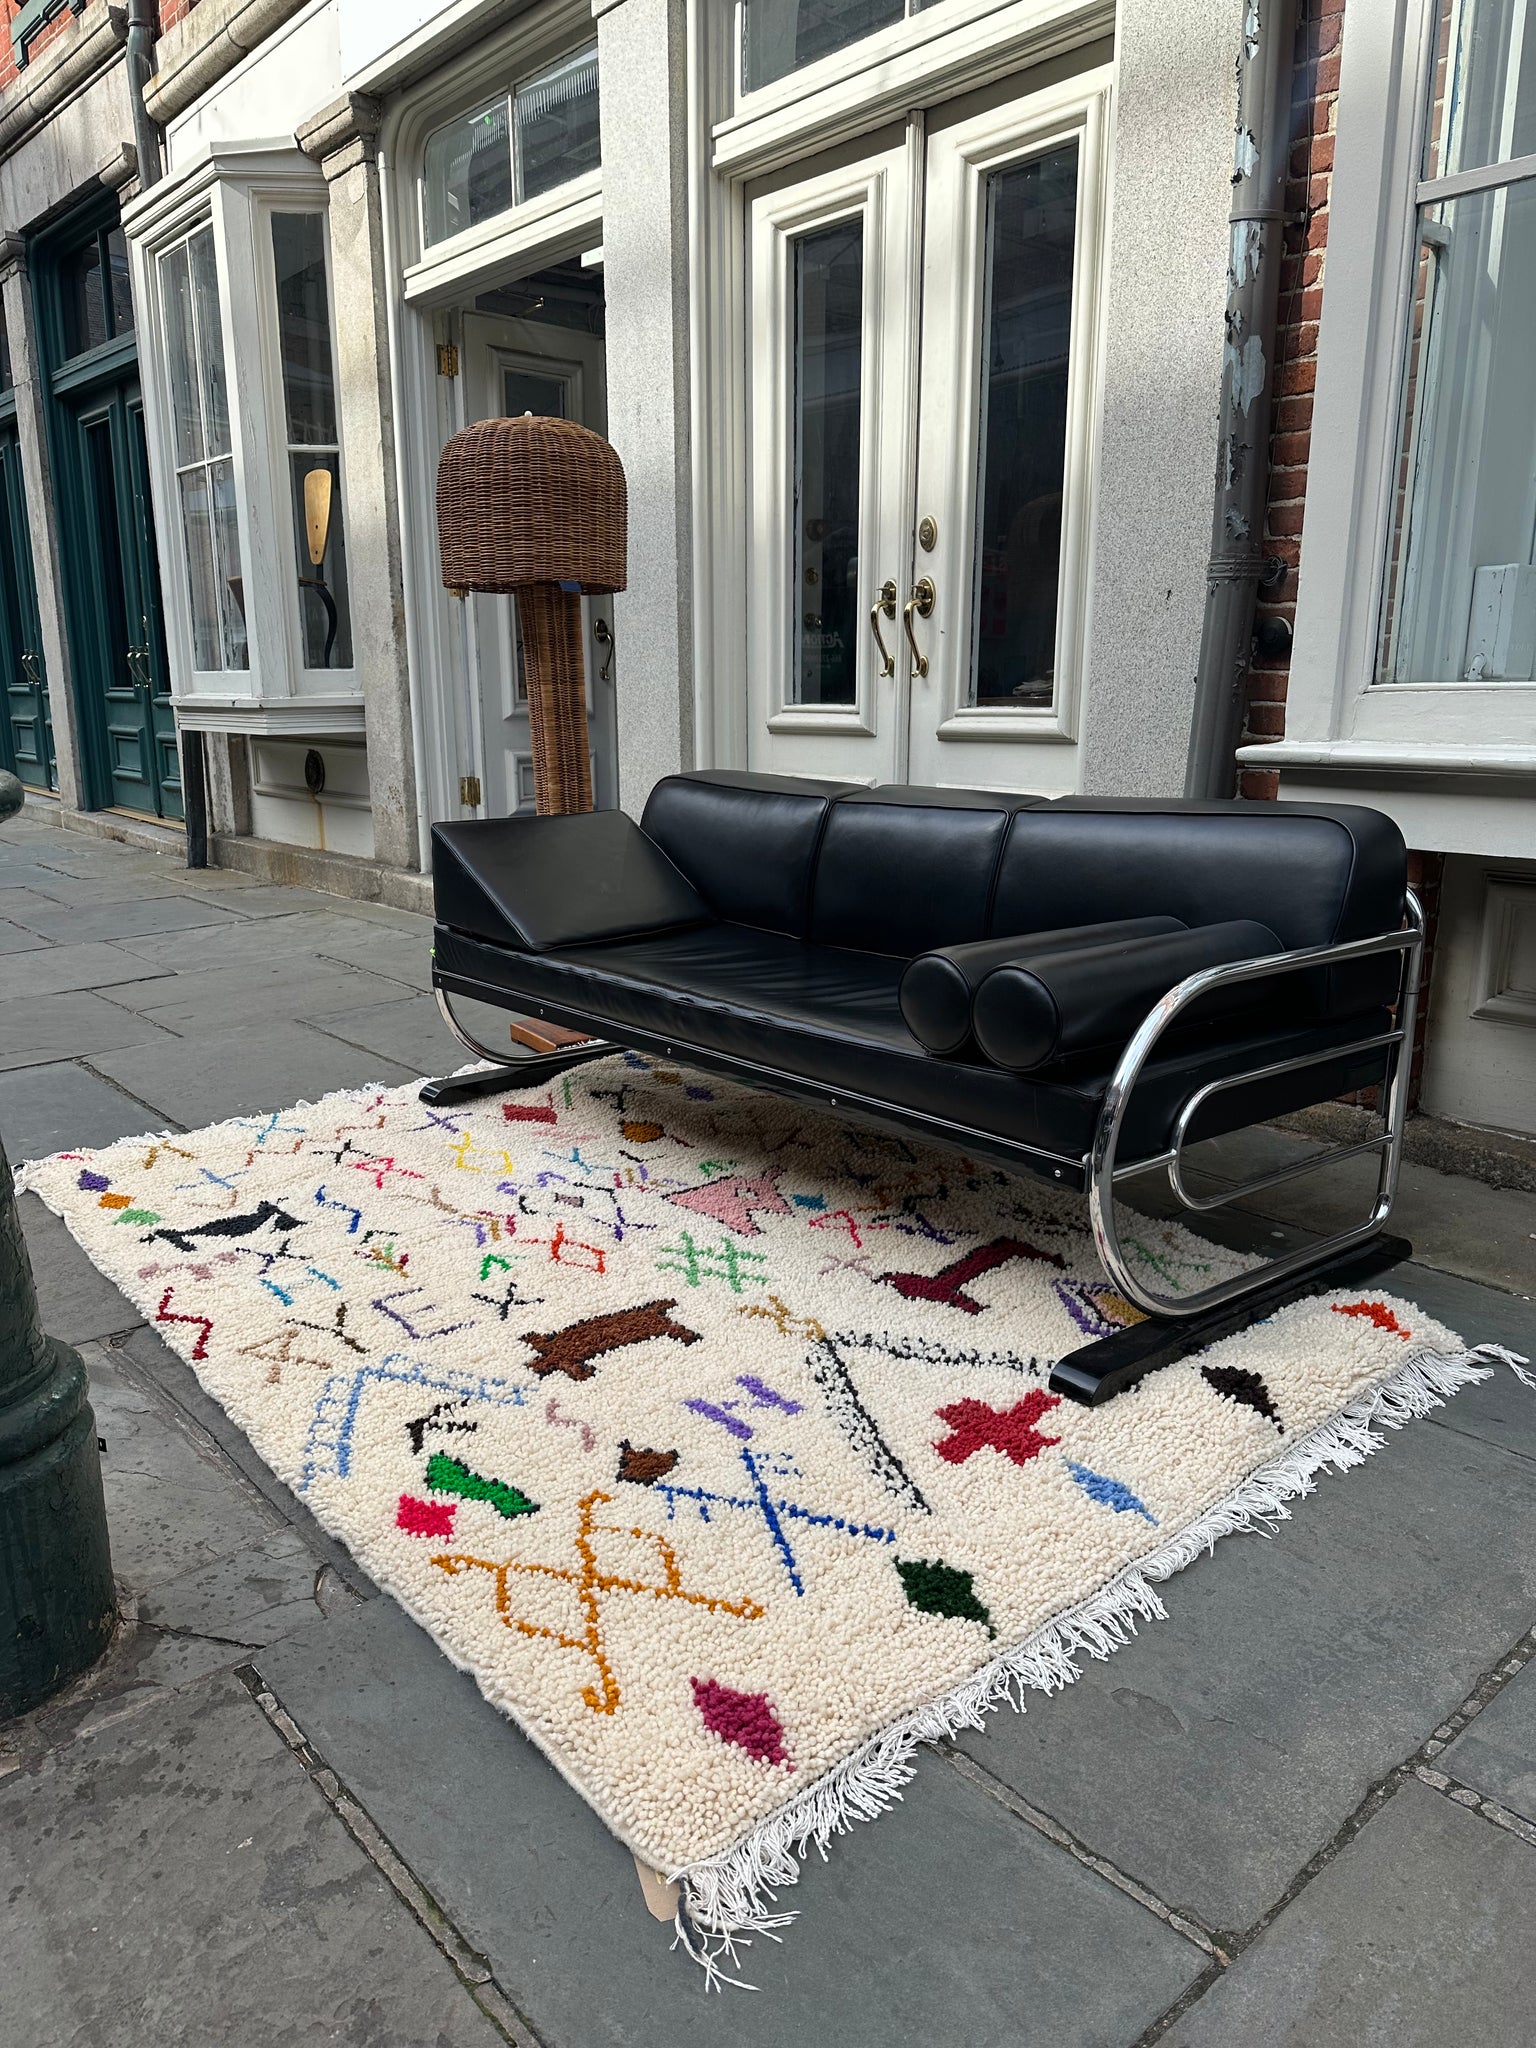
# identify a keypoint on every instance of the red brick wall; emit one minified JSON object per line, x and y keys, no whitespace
{"x":1314,"y":104}
{"x":1314,"y":97}
{"x":62,"y":25}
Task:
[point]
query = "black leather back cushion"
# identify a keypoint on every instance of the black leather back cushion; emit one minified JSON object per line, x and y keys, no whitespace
{"x":746,"y":842}
{"x":904,"y":869}
{"x":539,"y":883}
{"x":1315,"y":874}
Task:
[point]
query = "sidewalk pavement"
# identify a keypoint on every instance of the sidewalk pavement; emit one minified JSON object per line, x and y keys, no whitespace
{"x":1303,"y":1811}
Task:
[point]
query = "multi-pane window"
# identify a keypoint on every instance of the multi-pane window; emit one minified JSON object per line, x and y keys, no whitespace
{"x":97,"y":301}
{"x":518,"y":145}
{"x":202,"y":452}
{"x":1460,"y":596}
{"x":311,"y":435}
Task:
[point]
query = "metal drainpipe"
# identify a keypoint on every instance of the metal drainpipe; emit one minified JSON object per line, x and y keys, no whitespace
{"x":142,"y":24}
{"x":1255,"y":250}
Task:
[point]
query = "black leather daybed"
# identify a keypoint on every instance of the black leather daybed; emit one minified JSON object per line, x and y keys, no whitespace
{"x":1077,"y":988}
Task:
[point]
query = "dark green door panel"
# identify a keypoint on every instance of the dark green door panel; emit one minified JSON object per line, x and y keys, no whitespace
{"x":106,"y":524}
{"x":26,"y":725}
{"x":118,"y":636}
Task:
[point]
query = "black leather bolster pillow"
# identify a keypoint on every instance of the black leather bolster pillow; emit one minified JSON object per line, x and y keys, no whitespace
{"x":938,"y":988}
{"x":1043,"y":1006}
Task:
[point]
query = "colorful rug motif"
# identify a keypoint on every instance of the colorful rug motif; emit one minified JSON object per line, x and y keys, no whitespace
{"x":711,"y":1434}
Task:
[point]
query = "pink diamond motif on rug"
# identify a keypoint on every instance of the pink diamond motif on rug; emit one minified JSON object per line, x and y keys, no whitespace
{"x":735,"y":1202}
{"x":746,"y":1719}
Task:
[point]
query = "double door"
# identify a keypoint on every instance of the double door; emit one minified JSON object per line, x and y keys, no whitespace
{"x":119,"y":635}
{"x":511,"y":367}
{"x":26,"y":725}
{"x":922,"y":315}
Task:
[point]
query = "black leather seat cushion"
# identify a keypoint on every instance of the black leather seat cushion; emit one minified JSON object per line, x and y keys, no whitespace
{"x":830,"y":1016}
{"x":938,"y":988}
{"x":1053,"y":1001}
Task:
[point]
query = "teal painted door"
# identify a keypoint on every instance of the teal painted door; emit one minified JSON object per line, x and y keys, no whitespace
{"x":26,"y":727}
{"x":121,"y":656}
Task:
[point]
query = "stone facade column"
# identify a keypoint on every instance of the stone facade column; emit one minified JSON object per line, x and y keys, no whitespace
{"x":342,"y":139}
{"x":642,"y":59}
{"x":42,"y":524}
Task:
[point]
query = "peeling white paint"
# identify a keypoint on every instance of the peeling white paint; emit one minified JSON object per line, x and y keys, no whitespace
{"x":1245,"y":153}
{"x":1245,"y":251}
{"x":1247,"y":371}
{"x":1251,"y":27}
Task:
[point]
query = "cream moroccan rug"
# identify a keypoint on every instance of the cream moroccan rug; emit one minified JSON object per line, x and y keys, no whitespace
{"x":711,"y":1434}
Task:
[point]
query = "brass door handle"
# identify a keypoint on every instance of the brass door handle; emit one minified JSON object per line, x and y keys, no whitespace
{"x":885,"y":602}
{"x":922,"y":601}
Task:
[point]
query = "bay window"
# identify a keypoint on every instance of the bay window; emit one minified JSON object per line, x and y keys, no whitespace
{"x":246,"y":454}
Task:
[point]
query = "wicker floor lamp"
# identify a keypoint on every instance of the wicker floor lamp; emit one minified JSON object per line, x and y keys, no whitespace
{"x":537,"y":508}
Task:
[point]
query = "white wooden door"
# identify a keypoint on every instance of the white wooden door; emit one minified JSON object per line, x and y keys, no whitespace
{"x":831,"y":266}
{"x":923,"y":319}
{"x":511,"y":367}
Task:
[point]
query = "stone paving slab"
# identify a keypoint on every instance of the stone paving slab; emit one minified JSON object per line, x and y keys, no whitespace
{"x":35,"y":1030}
{"x":144,"y":914}
{"x":1496,"y":1753}
{"x":1417,"y":1936}
{"x":51,"y":970}
{"x":74,"y":892}
{"x":946,"y":1923}
{"x":264,"y":1067}
{"x":412,"y":1033}
{"x":175,"y":1877}
{"x":300,"y":991}
{"x":76,"y":1302}
{"x":46,"y":1109}
{"x":14,"y":938}
{"x":254,"y":940}
{"x":1212,"y":1757}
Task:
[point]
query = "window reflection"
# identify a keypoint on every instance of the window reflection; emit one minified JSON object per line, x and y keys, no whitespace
{"x":829,"y":334}
{"x":1030,"y":235}
{"x":309,"y":410}
{"x":519,"y":145}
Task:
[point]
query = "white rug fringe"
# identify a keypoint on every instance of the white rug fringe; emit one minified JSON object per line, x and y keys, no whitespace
{"x":729,"y":1898}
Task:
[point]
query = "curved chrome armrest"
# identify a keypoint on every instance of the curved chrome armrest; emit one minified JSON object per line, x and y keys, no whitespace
{"x":1100,"y":1167}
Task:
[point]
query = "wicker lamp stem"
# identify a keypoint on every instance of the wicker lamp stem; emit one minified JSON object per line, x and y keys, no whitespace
{"x":557,"y":698}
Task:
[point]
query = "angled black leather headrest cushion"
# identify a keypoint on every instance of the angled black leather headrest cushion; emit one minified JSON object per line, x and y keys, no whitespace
{"x":937,"y":988}
{"x":1044,"y":1006}
{"x":539,"y":883}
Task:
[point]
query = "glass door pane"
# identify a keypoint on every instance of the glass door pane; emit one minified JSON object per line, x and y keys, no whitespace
{"x":828,"y":386}
{"x":1027,"y":330}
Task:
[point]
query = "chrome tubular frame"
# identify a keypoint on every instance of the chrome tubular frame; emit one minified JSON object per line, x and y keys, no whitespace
{"x":1102,"y":1172}
{"x":481,"y":1052}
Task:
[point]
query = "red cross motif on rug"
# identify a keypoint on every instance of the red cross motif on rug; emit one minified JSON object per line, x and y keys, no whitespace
{"x":976,"y":1427}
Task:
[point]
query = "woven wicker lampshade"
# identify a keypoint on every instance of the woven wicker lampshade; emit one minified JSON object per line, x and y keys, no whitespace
{"x":538,"y":507}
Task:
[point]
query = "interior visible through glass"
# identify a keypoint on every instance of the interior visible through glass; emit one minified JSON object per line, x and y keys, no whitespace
{"x":1031,"y":226}
{"x":309,"y":410}
{"x":1483,"y":106}
{"x":828,"y":367}
{"x":205,"y":479}
{"x":1461,"y":587}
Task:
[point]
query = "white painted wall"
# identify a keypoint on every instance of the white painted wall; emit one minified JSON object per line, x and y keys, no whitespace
{"x":290,"y":76}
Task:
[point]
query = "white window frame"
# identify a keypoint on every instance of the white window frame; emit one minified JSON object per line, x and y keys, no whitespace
{"x":237,"y":191}
{"x":1339,"y":719}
